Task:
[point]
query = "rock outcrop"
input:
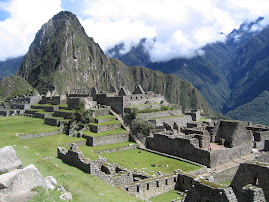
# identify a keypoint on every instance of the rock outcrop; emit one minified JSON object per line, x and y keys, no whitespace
{"x":8,"y":159}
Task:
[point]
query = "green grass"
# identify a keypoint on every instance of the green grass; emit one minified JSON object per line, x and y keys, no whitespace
{"x":26,"y":125}
{"x":105,"y":133}
{"x":227,"y":183}
{"x":169,"y":196}
{"x":166,"y":117}
{"x":109,"y":116}
{"x":66,"y":110}
{"x":106,"y":123}
{"x":203,"y":119}
{"x":133,"y":159}
{"x":44,"y":196}
{"x":84,"y":187}
{"x":56,"y":117}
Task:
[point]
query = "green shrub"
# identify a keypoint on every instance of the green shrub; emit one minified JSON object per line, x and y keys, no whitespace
{"x":143,"y":126}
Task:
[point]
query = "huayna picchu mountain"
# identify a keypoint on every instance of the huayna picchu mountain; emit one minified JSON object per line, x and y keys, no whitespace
{"x":63,"y":57}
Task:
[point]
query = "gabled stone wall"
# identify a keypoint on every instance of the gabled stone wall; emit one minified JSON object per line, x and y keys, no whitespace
{"x":253,"y":173}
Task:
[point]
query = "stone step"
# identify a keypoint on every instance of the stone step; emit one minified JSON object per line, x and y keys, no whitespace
{"x":42,"y":115}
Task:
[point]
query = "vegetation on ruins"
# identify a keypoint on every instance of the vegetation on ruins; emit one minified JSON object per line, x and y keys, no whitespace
{"x":143,"y":126}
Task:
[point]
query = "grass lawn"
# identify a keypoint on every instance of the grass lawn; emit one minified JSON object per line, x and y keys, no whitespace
{"x":105,"y":133}
{"x":133,"y":159}
{"x":84,"y":187}
{"x":169,"y":196}
{"x":109,"y":116}
{"x":203,"y":119}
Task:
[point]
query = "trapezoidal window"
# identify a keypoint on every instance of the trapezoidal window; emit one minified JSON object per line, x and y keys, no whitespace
{"x":157,"y":183}
{"x":137,"y":188}
{"x":166,"y":181}
{"x":148,"y":186}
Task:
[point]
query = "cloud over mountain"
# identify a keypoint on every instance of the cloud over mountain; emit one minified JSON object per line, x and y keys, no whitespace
{"x":179,"y":28}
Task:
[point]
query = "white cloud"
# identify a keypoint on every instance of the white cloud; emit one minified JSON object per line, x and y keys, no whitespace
{"x":179,"y":27}
{"x":26,"y":17}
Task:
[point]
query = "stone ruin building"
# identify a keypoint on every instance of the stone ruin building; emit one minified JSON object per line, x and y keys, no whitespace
{"x":180,"y":134}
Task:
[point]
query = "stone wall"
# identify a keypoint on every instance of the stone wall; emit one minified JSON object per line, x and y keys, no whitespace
{"x":138,"y":99}
{"x":116,"y":102}
{"x":110,"y":173}
{"x":51,"y":108}
{"x":151,"y":187}
{"x":66,"y":115}
{"x":153,"y":115}
{"x":102,"y":128}
{"x":188,"y":148}
{"x":218,"y":157}
{"x":203,"y":190}
{"x":20,"y":106}
{"x":28,"y":136}
{"x":180,"y":121}
{"x":260,"y":138}
{"x":253,"y":173}
{"x":179,"y":146}
{"x":105,"y":140}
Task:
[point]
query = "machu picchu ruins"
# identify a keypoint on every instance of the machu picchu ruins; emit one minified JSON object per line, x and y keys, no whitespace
{"x":115,"y":117}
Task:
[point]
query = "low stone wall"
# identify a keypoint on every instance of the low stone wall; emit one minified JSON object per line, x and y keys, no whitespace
{"x":218,"y":157}
{"x":181,"y":121}
{"x":102,"y":128}
{"x":42,"y":115}
{"x":106,"y":172}
{"x":11,"y":112}
{"x":103,"y":120}
{"x":50,"y":108}
{"x":158,"y":114}
{"x":38,"y":135}
{"x":101,"y":112}
{"x":116,"y":150}
{"x":105,"y":140}
{"x":152,"y":187}
{"x":52,"y":121}
{"x":20,"y":106}
{"x":66,"y":115}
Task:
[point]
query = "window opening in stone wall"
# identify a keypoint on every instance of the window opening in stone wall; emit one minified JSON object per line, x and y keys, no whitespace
{"x":157,"y":183}
{"x":141,"y":96}
{"x":148,"y":186}
{"x":175,"y":180}
{"x":136,"y":97}
{"x":137,"y":188}
{"x":166,"y":181}
{"x":127,"y":189}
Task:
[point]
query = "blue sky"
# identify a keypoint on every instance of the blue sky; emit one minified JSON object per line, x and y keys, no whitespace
{"x":179,"y":27}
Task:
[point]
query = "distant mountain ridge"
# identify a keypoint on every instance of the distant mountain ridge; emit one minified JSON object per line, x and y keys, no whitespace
{"x":10,"y":66}
{"x":228,"y":75}
{"x":64,"y":58}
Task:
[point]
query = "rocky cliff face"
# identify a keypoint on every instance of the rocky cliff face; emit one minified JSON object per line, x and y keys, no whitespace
{"x":62,"y":56}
